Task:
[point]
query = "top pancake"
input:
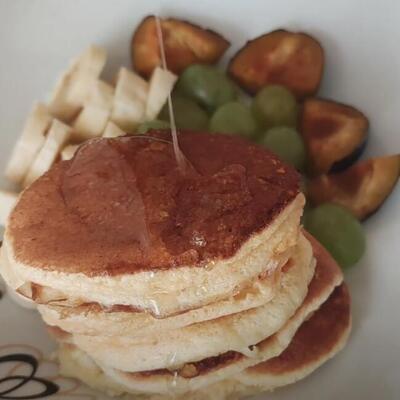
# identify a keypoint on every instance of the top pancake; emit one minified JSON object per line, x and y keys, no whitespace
{"x":122,"y":206}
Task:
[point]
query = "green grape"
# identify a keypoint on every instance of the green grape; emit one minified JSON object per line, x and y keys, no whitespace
{"x":337,"y":230}
{"x":274,"y":105}
{"x":287,"y":144}
{"x":154,"y":124}
{"x":188,"y":115}
{"x":207,"y":85}
{"x":233,"y":117}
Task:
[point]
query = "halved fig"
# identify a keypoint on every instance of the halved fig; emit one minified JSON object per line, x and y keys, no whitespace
{"x":185,"y":44}
{"x":294,"y":60}
{"x":361,"y":189}
{"x":333,"y":133}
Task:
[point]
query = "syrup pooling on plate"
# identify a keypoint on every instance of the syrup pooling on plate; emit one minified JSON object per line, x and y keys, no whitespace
{"x":100,"y":172}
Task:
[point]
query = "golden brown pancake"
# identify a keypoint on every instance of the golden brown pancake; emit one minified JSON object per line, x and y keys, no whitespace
{"x":321,"y":336}
{"x":197,"y":375}
{"x":123,"y":321}
{"x":236,"y":331}
{"x":122,"y":206}
{"x":121,"y":225}
{"x":316,"y":337}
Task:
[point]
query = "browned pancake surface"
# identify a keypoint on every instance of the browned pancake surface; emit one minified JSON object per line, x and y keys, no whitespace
{"x":122,"y":205}
{"x":315,"y":338}
{"x":326,"y":272}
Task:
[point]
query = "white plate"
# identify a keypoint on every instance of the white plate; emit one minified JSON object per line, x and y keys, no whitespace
{"x":361,"y":40}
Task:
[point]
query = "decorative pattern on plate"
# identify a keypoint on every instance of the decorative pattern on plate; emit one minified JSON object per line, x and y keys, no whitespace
{"x":26,"y":374}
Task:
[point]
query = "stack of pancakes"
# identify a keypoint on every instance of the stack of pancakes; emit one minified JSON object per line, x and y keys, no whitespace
{"x":169,"y":283}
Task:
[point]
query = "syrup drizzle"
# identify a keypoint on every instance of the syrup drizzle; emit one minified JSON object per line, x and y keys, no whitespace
{"x":180,"y":159}
{"x":100,"y":188}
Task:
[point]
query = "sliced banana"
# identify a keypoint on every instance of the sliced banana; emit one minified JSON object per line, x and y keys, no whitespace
{"x":56,"y":138}
{"x":72,"y":89}
{"x":7,"y":203}
{"x":96,"y":111}
{"x":29,"y":143}
{"x":130,"y":99}
{"x":112,"y":130}
{"x":161,"y":84}
{"x":90,"y":122}
{"x":101,"y":94}
{"x":68,"y":151}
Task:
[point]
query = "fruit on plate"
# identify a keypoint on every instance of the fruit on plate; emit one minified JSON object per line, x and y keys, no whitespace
{"x":287,"y":144}
{"x":188,"y":114}
{"x":274,"y":105}
{"x":294,"y":60}
{"x":29,"y":143}
{"x":338,"y":231}
{"x":7,"y":202}
{"x":185,"y":44}
{"x":160,"y":86}
{"x":207,"y":85}
{"x":96,"y":111}
{"x":130,"y":99}
{"x":333,"y":133}
{"x":74,"y":85}
{"x":112,"y":130}
{"x":101,"y":94}
{"x":90,"y":122}
{"x":57,"y":136}
{"x":234,"y":117}
{"x":361,"y":189}
{"x":68,"y":151}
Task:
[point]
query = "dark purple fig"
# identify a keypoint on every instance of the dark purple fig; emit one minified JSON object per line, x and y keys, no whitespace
{"x":291,"y":59}
{"x":334,"y":134}
{"x":361,"y":189}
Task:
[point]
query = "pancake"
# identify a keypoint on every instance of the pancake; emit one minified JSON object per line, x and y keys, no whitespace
{"x":93,"y":319}
{"x":304,"y":347}
{"x":327,"y":276}
{"x":119,"y":224}
{"x":316,"y":341}
{"x":162,"y":299}
{"x":170,"y":349}
{"x":74,"y":363}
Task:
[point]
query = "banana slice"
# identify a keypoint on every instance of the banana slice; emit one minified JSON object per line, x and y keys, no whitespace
{"x":72,"y":89}
{"x":29,"y":143}
{"x":112,"y":130}
{"x":68,"y":151}
{"x":161,"y":84}
{"x":56,"y":138}
{"x":93,"y":118}
{"x":130,"y":99}
{"x":90,"y":122}
{"x":101,"y":94}
{"x":7,"y":203}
